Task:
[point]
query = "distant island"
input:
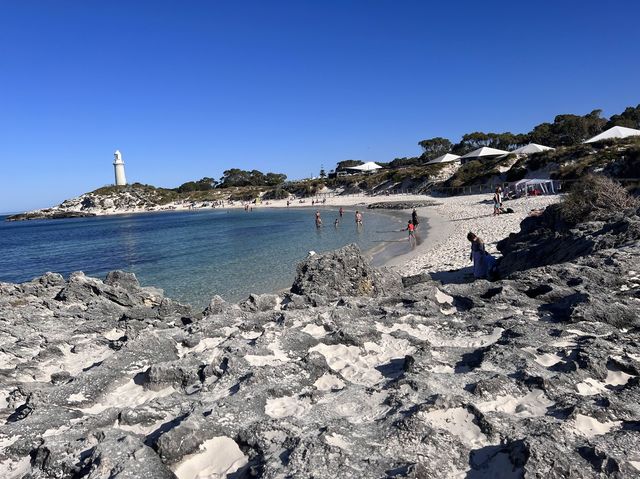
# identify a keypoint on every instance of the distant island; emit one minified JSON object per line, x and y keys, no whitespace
{"x":559,"y":153}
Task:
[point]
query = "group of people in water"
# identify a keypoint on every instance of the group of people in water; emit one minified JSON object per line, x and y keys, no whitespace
{"x":358,"y":218}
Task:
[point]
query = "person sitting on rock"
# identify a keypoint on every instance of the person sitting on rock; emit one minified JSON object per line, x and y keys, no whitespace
{"x":477,"y":255}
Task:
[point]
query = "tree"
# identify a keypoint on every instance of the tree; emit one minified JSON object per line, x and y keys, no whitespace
{"x":568,"y":129}
{"x":630,"y":118}
{"x":204,"y":184}
{"x":275,"y":179}
{"x":402,"y":162}
{"x":237,"y":177}
{"x":435,"y":147}
{"x":323,"y":174}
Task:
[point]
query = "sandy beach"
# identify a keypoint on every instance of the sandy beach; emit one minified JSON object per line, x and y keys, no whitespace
{"x":446,"y":246}
{"x":443,"y":244}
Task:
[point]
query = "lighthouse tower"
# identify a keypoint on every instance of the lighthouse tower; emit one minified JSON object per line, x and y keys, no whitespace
{"x":118,"y":166}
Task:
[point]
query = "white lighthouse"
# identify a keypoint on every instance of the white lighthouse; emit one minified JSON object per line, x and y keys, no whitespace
{"x":118,"y":166}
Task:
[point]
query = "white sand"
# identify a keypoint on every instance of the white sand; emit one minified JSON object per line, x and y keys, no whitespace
{"x":533,"y":404}
{"x":591,"y":427}
{"x":328,"y":382}
{"x":286,"y":406}
{"x":446,"y":246}
{"x":615,"y":377}
{"x":314,"y":330}
{"x":279,"y":356}
{"x":217,"y":458}
{"x":429,"y":333}
{"x":129,"y":394}
{"x":10,"y":469}
{"x":459,"y":422}
{"x":546,"y":359}
{"x":358,"y":365}
{"x":337,"y":440}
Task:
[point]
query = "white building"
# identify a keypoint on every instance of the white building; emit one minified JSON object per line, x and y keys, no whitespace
{"x":118,"y":166}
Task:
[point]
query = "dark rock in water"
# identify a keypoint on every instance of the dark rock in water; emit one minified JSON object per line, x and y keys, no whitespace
{"x":352,"y":374}
{"x":343,"y":272}
{"x":401,"y":205}
{"x":49,"y":215}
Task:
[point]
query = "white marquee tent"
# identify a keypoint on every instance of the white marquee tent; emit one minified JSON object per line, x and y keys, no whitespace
{"x":544,"y":186}
{"x":368,"y":166}
{"x":531,"y":148}
{"x":614,"y":132}
{"x":446,"y":158}
{"x":484,"y":152}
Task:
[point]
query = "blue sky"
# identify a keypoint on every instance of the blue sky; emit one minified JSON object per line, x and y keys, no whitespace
{"x":189,"y":89}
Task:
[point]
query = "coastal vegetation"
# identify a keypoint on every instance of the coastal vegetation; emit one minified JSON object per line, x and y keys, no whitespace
{"x":569,"y":161}
{"x":593,"y":198}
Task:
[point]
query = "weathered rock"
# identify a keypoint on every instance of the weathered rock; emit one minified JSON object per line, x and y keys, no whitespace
{"x":535,"y":375}
{"x":344,"y":272}
{"x":546,"y":239}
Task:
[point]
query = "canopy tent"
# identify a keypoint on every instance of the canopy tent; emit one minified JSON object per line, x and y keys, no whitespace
{"x":446,"y":158}
{"x":531,"y":148}
{"x":484,"y":152}
{"x":614,"y":132}
{"x":523,"y":187}
{"x":368,"y":166}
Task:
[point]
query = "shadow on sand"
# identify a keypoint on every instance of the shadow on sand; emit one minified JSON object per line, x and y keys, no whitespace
{"x":454,"y":276}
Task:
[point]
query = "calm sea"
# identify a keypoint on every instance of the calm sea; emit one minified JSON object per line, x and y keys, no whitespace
{"x":191,"y":255}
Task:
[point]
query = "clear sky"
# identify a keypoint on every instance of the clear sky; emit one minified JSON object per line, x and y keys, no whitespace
{"x":189,"y":89}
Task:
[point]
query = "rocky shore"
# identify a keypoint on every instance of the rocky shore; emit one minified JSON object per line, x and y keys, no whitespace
{"x":355,"y":372}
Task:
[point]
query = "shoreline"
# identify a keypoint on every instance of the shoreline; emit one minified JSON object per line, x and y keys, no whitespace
{"x":442,"y":250}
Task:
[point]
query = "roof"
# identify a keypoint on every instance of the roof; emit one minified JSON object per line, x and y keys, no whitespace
{"x":531,"y":148}
{"x":368,"y":166}
{"x":484,"y":151}
{"x":614,"y":132}
{"x":446,"y":158}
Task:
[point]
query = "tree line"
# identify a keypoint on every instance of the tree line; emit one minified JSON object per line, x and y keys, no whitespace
{"x":566,"y":130}
{"x":232,"y":178}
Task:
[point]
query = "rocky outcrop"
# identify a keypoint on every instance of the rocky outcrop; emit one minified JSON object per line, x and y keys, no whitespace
{"x":115,"y":200}
{"x":343,"y":272}
{"x":536,"y":375}
{"x":547,"y":239}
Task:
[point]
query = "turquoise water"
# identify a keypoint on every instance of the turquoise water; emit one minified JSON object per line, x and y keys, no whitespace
{"x":191,"y":255}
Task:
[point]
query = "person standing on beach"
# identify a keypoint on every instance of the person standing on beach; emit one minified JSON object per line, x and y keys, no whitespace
{"x":414,"y":218}
{"x":497,"y":201}
{"x":478,"y":254}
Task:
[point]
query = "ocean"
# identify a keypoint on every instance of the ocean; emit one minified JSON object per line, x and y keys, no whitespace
{"x":192,"y":255}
